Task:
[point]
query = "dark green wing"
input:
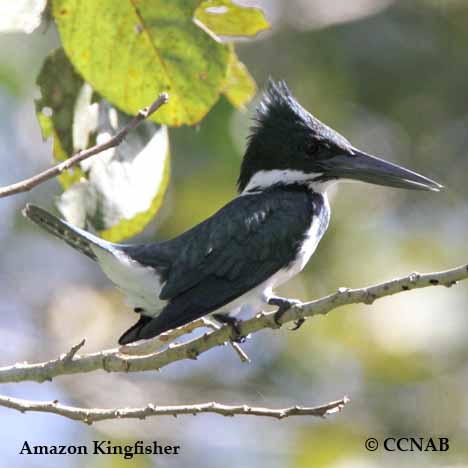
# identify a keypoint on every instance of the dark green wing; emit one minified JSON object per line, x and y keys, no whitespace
{"x":235,"y":250}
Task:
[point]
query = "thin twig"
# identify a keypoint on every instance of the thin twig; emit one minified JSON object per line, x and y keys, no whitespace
{"x":73,"y":350}
{"x":243,"y":356}
{"x":28,"y":184}
{"x":89,"y":416}
{"x":113,"y":360}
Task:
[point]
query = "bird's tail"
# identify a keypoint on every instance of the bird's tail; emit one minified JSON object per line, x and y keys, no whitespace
{"x":73,"y":236}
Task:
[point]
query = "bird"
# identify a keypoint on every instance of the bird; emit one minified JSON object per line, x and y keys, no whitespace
{"x":233,"y":260}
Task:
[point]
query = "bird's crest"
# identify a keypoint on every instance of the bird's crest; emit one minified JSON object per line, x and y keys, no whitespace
{"x":278,"y":103}
{"x":279,"y":108}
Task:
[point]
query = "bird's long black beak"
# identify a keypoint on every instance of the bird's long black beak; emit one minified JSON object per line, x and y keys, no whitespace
{"x":367,"y":168}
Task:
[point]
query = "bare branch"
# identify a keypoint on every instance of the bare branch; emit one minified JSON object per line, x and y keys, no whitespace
{"x":73,"y":350}
{"x":115,"y":360}
{"x":152,"y":345}
{"x":90,"y":416}
{"x":28,"y":184}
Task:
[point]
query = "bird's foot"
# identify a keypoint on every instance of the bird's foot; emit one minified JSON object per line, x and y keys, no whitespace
{"x":233,"y":323}
{"x":298,"y":324}
{"x":284,"y":305}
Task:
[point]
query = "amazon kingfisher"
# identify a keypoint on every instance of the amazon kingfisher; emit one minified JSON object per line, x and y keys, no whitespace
{"x":256,"y":242}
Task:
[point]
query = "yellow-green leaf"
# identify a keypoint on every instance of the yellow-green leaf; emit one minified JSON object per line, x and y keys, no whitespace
{"x":125,"y":186}
{"x":225,"y":18}
{"x":131,"y":50}
{"x":240,"y":86}
{"x":159,"y":180}
{"x":60,"y":86}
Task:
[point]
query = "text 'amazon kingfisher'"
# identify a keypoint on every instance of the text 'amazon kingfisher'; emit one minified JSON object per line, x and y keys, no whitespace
{"x":257,"y":241}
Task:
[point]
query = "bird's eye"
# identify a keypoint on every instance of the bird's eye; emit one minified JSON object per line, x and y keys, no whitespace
{"x":311,"y":147}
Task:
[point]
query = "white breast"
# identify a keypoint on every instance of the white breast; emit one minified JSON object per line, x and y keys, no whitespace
{"x":311,"y":240}
{"x":256,"y":298}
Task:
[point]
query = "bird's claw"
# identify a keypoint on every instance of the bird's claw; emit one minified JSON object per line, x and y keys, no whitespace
{"x":234,"y":324}
{"x":283,"y":305}
{"x":298,"y":324}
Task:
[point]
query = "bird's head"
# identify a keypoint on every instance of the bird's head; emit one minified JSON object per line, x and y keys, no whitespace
{"x":288,"y":145}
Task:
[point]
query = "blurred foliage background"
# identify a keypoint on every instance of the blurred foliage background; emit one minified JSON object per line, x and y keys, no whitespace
{"x":390,"y":75}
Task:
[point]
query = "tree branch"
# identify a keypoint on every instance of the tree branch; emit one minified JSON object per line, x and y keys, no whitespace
{"x":90,"y":416}
{"x":155,"y":344}
{"x":115,"y":360}
{"x":28,"y":184}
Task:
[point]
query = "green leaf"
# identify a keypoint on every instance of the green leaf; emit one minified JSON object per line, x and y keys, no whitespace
{"x":60,"y":88}
{"x":110,"y":191}
{"x":240,"y":87}
{"x":125,"y":186}
{"x":131,"y":50}
{"x":225,"y":18}
{"x":21,"y":15}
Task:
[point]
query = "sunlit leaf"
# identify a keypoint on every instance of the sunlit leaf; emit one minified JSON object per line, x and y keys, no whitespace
{"x":21,"y":15}
{"x":225,"y":18}
{"x":129,"y":51}
{"x":60,"y":88}
{"x":125,"y":186}
{"x":240,"y":86}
